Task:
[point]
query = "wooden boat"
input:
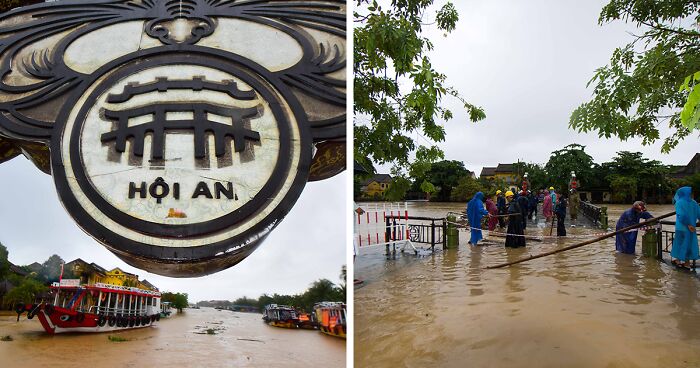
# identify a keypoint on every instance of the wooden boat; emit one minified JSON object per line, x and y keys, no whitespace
{"x":280,"y":316}
{"x":331,"y":317}
{"x":165,"y":309}
{"x":95,"y":308}
{"x":306,"y":321}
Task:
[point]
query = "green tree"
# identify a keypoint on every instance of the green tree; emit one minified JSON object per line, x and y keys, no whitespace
{"x":397,"y":190}
{"x":26,"y":290}
{"x":562,"y":162}
{"x":692,"y":181}
{"x":245,"y":301}
{"x":343,"y":281}
{"x":535,"y":172}
{"x":51,"y":268}
{"x":465,"y":189}
{"x":690,"y":115}
{"x":639,"y":89}
{"x":624,"y":188}
{"x":650,"y":176}
{"x":397,"y":92}
{"x":444,"y":176}
{"x":4,"y":263}
{"x":177,"y":300}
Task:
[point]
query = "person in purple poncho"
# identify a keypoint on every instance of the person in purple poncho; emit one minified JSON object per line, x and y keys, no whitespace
{"x":475,"y":212}
{"x":493,"y":211}
{"x":625,"y":242}
{"x":685,"y":241}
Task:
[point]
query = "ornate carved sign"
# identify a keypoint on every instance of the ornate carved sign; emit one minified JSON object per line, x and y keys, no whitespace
{"x":180,"y":131}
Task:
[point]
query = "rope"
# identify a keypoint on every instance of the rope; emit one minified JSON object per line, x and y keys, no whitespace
{"x":584,"y":236}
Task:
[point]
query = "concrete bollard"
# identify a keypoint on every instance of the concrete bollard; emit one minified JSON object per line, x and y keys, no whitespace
{"x":649,"y":244}
{"x":603,"y":217}
{"x":452,"y":235}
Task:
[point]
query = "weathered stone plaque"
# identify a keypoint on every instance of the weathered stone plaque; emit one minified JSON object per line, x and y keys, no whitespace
{"x":179,"y":133}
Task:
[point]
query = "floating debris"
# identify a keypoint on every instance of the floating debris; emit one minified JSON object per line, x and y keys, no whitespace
{"x":117,"y":338}
{"x":6,"y":338}
{"x":255,"y":340}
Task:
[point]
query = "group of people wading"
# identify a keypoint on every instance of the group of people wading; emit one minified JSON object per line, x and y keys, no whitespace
{"x":514,"y":209}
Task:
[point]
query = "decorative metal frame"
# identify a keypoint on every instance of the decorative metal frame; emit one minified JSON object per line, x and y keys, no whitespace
{"x":26,"y":120}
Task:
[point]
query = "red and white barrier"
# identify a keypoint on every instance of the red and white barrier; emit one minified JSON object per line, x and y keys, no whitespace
{"x":371,"y":226}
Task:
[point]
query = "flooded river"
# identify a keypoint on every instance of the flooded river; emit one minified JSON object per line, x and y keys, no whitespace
{"x":242,"y":340}
{"x":587,"y":307}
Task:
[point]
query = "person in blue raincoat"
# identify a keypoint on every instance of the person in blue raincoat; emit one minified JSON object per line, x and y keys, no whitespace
{"x":475,"y":212}
{"x":685,"y":241}
{"x":553,"y":194}
{"x":625,"y":242}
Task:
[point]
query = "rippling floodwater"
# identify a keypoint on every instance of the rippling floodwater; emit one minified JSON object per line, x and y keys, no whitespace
{"x":587,"y":307}
{"x":242,"y":340}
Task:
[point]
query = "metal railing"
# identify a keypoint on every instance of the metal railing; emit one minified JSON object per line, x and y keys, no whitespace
{"x":664,"y":241}
{"x":425,"y":230}
{"x":591,"y":212}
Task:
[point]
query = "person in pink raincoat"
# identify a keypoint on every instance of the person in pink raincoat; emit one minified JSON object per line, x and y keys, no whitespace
{"x":547,"y":208}
{"x":493,"y":210}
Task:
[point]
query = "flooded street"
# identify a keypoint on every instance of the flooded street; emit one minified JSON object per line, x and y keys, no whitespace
{"x":241,"y":340}
{"x":588,"y":307}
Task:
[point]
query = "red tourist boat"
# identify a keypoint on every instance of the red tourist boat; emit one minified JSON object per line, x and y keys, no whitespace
{"x":95,"y":308}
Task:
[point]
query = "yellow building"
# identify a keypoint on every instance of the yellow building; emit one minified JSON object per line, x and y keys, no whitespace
{"x":377,"y":185}
{"x":92,"y":273}
{"x":116,"y":276}
{"x":504,"y":174}
{"x":88,"y":273}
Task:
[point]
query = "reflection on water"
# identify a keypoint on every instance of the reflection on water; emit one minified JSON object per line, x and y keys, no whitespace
{"x":242,"y":340}
{"x":587,"y":307}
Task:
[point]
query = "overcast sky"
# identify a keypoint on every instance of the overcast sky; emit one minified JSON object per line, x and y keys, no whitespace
{"x":527,"y":64}
{"x":305,"y":247}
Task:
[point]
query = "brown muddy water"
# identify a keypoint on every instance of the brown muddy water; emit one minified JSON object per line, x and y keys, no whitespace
{"x":587,"y":307}
{"x":242,"y":340}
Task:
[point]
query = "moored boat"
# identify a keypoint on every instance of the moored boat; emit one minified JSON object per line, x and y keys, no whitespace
{"x":306,"y":321}
{"x":165,"y":309}
{"x":95,"y":308}
{"x":280,"y":316}
{"x":331,"y":317}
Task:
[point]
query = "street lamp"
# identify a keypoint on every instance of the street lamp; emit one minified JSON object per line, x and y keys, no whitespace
{"x":659,"y":193}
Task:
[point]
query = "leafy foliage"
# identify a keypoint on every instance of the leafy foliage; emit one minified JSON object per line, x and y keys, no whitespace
{"x":690,"y":115}
{"x":396,"y":89}
{"x":51,"y":268}
{"x":648,"y":175}
{"x":319,"y":291}
{"x":25,"y":291}
{"x":4,"y":262}
{"x":444,"y":176}
{"x":535,"y":172}
{"x":177,"y":300}
{"x":397,"y":190}
{"x":624,"y":188}
{"x":639,"y":89}
{"x":562,"y":162}
{"x":465,"y":190}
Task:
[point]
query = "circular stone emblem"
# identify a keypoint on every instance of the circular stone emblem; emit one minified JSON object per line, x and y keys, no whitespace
{"x":181,"y":165}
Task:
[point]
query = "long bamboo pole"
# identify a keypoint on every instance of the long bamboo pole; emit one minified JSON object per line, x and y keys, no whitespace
{"x":641,"y":224}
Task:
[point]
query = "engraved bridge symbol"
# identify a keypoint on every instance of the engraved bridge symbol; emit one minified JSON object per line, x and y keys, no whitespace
{"x":200,"y":124}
